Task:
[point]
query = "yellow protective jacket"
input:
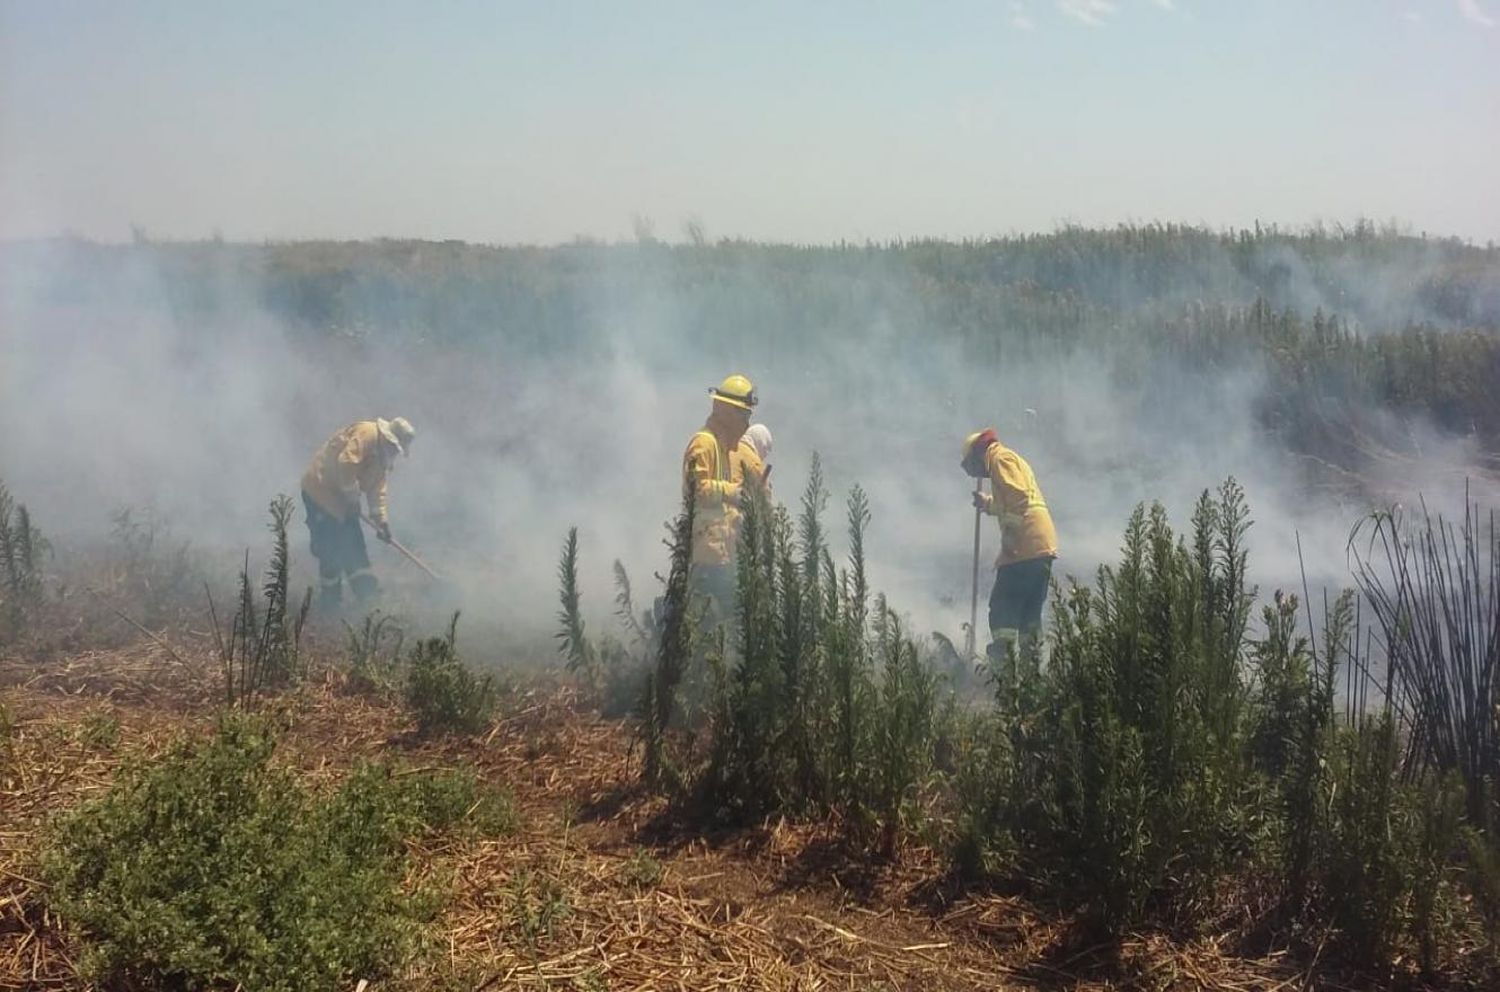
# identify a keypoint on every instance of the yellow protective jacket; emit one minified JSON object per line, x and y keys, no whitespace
{"x":1026,"y":529}
{"x":352,"y":462}
{"x":716,"y":494}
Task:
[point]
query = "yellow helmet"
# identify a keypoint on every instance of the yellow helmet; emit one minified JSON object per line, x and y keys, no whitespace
{"x":736,"y":391}
{"x":988,"y":434}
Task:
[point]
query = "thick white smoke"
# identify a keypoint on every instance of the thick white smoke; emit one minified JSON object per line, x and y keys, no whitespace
{"x":117,"y":392}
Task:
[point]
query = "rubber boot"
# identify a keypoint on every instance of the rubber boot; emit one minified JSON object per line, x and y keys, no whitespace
{"x":1005,"y":643}
{"x":330,"y":591}
{"x":364,"y":584}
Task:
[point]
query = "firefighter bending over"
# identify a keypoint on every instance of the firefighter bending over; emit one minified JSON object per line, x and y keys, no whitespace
{"x":353,"y":462}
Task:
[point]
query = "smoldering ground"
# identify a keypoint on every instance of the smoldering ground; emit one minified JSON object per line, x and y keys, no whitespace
{"x":558,"y":387}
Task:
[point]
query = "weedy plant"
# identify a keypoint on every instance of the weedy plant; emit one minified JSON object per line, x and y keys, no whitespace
{"x":147,"y":567}
{"x":1434,"y":588}
{"x":22,"y":549}
{"x":817,"y":703}
{"x":373,"y":652}
{"x":1161,"y":753}
{"x":642,"y":871}
{"x":582,"y":659}
{"x":441,"y":691}
{"x":262,"y":647}
{"x":627,"y":664}
{"x":538,"y":902}
{"x":674,"y":652}
{"x":1435,"y":591}
{"x":614,"y":672}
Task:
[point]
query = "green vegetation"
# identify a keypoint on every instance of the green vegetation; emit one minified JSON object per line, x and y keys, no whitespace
{"x":642,"y":871}
{"x":1162,"y":756}
{"x":373,"y":652}
{"x":262,"y":645}
{"x":22,"y":549}
{"x":147,"y":569}
{"x":813,"y":698}
{"x":582,"y":659}
{"x":441,"y":691}
{"x":214,"y":867}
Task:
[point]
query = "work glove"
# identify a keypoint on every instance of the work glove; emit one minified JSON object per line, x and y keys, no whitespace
{"x":982,"y":501}
{"x":383,"y":531}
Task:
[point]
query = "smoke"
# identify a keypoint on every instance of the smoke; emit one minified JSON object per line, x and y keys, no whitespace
{"x":553,"y":388}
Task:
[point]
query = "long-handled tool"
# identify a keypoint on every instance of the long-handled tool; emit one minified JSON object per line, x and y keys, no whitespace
{"x":969,"y":642}
{"x":402,"y":548}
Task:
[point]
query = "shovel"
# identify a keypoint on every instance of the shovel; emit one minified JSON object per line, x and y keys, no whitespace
{"x":969,"y":644}
{"x":402,"y":548}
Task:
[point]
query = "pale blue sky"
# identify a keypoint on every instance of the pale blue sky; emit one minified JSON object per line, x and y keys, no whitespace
{"x":536,"y":122}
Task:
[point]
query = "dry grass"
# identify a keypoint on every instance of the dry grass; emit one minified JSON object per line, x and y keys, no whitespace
{"x":557,"y":905}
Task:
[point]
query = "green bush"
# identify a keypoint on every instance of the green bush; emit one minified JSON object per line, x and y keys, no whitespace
{"x":457,"y":799}
{"x":815,"y":701}
{"x":643,"y":871}
{"x":1161,"y":757}
{"x":214,"y":867}
{"x":441,"y":691}
{"x":1126,"y":777}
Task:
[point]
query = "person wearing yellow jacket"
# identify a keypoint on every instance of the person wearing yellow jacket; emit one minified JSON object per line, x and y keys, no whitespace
{"x":709,"y":472}
{"x":1028,"y":540}
{"x":353,"y":463}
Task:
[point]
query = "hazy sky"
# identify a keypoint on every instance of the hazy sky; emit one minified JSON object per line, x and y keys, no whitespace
{"x":805,"y":121}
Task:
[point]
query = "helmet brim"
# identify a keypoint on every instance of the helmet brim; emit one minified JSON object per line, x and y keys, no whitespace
{"x":731,"y":401}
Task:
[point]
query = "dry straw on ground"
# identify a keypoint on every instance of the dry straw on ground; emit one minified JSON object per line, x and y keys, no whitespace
{"x":563,"y":903}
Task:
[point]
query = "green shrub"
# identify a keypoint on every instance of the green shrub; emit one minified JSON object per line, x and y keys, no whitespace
{"x":1161,"y":757}
{"x":213,"y":867}
{"x":441,"y":691}
{"x":100,"y":731}
{"x":457,"y":798}
{"x":816,"y":701}
{"x":642,"y":871}
{"x":537,"y":903}
{"x":1125,"y":770}
{"x":1367,"y":869}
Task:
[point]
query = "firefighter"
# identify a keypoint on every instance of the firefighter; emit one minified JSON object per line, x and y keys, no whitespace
{"x":709,"y":472}
{"x":1028,"y":541}
{"x":353,"y":462}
